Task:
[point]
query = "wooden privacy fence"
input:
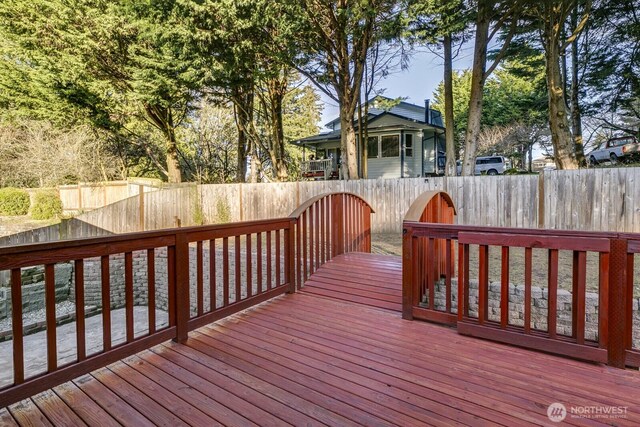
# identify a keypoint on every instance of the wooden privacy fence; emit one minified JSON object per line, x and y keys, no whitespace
{"x":587,"y":200}
{"x":615,"y":252}
{"x":205,"y":273}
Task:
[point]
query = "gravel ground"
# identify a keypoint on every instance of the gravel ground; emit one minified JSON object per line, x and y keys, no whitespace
{"x":391,"y":244}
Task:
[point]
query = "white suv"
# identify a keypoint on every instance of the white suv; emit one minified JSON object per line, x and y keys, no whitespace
{"x":489,"y":165}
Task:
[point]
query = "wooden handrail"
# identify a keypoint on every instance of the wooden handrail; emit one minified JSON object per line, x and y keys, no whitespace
{"x":422,"y":202}
{"x":613,"y":345}
{"x":305,"y":205}
{"x":328,"y":225}
{"x":205,"y":273}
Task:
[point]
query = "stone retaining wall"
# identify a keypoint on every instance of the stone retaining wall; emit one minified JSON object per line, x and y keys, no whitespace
{"x":539,"y":307}
{"x":33,"y":285}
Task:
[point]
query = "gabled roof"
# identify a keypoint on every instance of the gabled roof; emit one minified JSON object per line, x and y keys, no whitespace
{"x":401,"y":109}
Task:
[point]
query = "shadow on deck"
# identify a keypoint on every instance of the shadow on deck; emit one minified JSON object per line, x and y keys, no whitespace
{"x":336,"y":353}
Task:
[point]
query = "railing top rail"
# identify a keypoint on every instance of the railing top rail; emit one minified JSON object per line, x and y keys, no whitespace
{"x":455,"y":228}
{"x":304,"y":206}
{"x":116,"y":238}
{"x":419,"y":205}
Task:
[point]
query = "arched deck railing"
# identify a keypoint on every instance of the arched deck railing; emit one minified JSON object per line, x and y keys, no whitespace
{"x":177,"y":280}
{"x":427,"y":258}
{"x":602,"y":331}
{"x":328,"y":225}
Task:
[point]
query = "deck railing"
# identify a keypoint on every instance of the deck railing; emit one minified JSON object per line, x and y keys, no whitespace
{"x":428,"y":291}
{"x":193,"y":276}
{"x":328,"y":225}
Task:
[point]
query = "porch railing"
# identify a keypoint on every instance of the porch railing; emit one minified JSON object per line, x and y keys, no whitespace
{"x":429,"y":292}
{"x":193,"y":276}
{"x":318,"y":168}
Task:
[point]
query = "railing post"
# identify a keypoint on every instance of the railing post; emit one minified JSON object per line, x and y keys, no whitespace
{"x":367,"y":228}
{"x":407,"y":272}
{"x":182,"y":288}
{"x":337,"y":229}
{"x":289,"y":256}
{"x":617,"y":303}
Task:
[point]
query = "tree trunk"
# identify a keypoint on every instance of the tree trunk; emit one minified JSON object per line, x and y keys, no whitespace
{"x":243,"y":108}
{"x":576,"y":114}
{"x":349,"y":161}
{"x":563,"y":146}
{"x":276,"y":95}
{"x":450,"y":168}
{"x":477,"y":88}
{"x":174,"y":173}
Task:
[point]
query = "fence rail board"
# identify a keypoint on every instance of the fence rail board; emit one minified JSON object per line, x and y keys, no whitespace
{"x":586,"y":200}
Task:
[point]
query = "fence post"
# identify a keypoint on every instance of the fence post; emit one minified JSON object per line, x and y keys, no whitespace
{"x":407,"y":273}
{"x":289,"y":256}
{"x":182,"y":305}
{"x":141,"y":206}
{"x":615,"y":313}
{"x":337,"y":229}
{"x":541,"y":196}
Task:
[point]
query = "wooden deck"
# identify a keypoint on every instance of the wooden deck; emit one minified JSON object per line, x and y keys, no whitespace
{"x":337,"y":353}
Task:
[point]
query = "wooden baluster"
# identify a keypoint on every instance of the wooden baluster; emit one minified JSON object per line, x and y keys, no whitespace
{"x":200,"y":278}
{"x":337,"y":225}
{"x":106,"y":302}
{"x":311,"y":246}
{"x":303,"y":218}
{"x":431,"y":279}
{"x":151,"y":286}
{"x":553,"y":293}
{"x":407,"y":273}
{"x":171,"y":285}
{"x":81,"y":349}
{"x":483,"y":288}
{"x":50,"y":306}
{"x":183,"y":288}
{"x":603,"y":300}
{"x":615,"y":306}
{"x":417,"y":286}
{"x":449,"y":274}
{"x":289,"y":265}
{"x":528,"y":270}
{"x":238,"y":270}
{"x":629,"y":302}
{"x":504,"y":288}
{"x":323,"y":235}
{"x":329,"y":221}
{"x":578,"y":309}
{"x":259,"y":261}
{"x":316,"y":207}
{"x":278,"y":260}
{"x":462,"y":300}
{"x":269,"y":262}
{"x":213,"y":282}
{"x":225,"y":271}
{"x":298,"y":255}
{"x":249,"y":266}
{"x":128,"y":295}
{"x":16,"y":325}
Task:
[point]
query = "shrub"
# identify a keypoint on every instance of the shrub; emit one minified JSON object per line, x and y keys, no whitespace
{"x":46,"y":205}
{"x":14,"y":201}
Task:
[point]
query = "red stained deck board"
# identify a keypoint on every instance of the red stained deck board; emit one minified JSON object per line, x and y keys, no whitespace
{"x":337,"y":353}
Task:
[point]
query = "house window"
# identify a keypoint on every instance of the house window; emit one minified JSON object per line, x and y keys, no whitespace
{"x":390,"y":146}
{"x":408,"y":145}
{"x":372,"y":147}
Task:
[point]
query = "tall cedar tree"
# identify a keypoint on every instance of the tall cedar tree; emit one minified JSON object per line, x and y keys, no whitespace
{"x":334,"y":41}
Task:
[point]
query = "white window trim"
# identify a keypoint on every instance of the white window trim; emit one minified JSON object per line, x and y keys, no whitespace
{"x":400,"y":146}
